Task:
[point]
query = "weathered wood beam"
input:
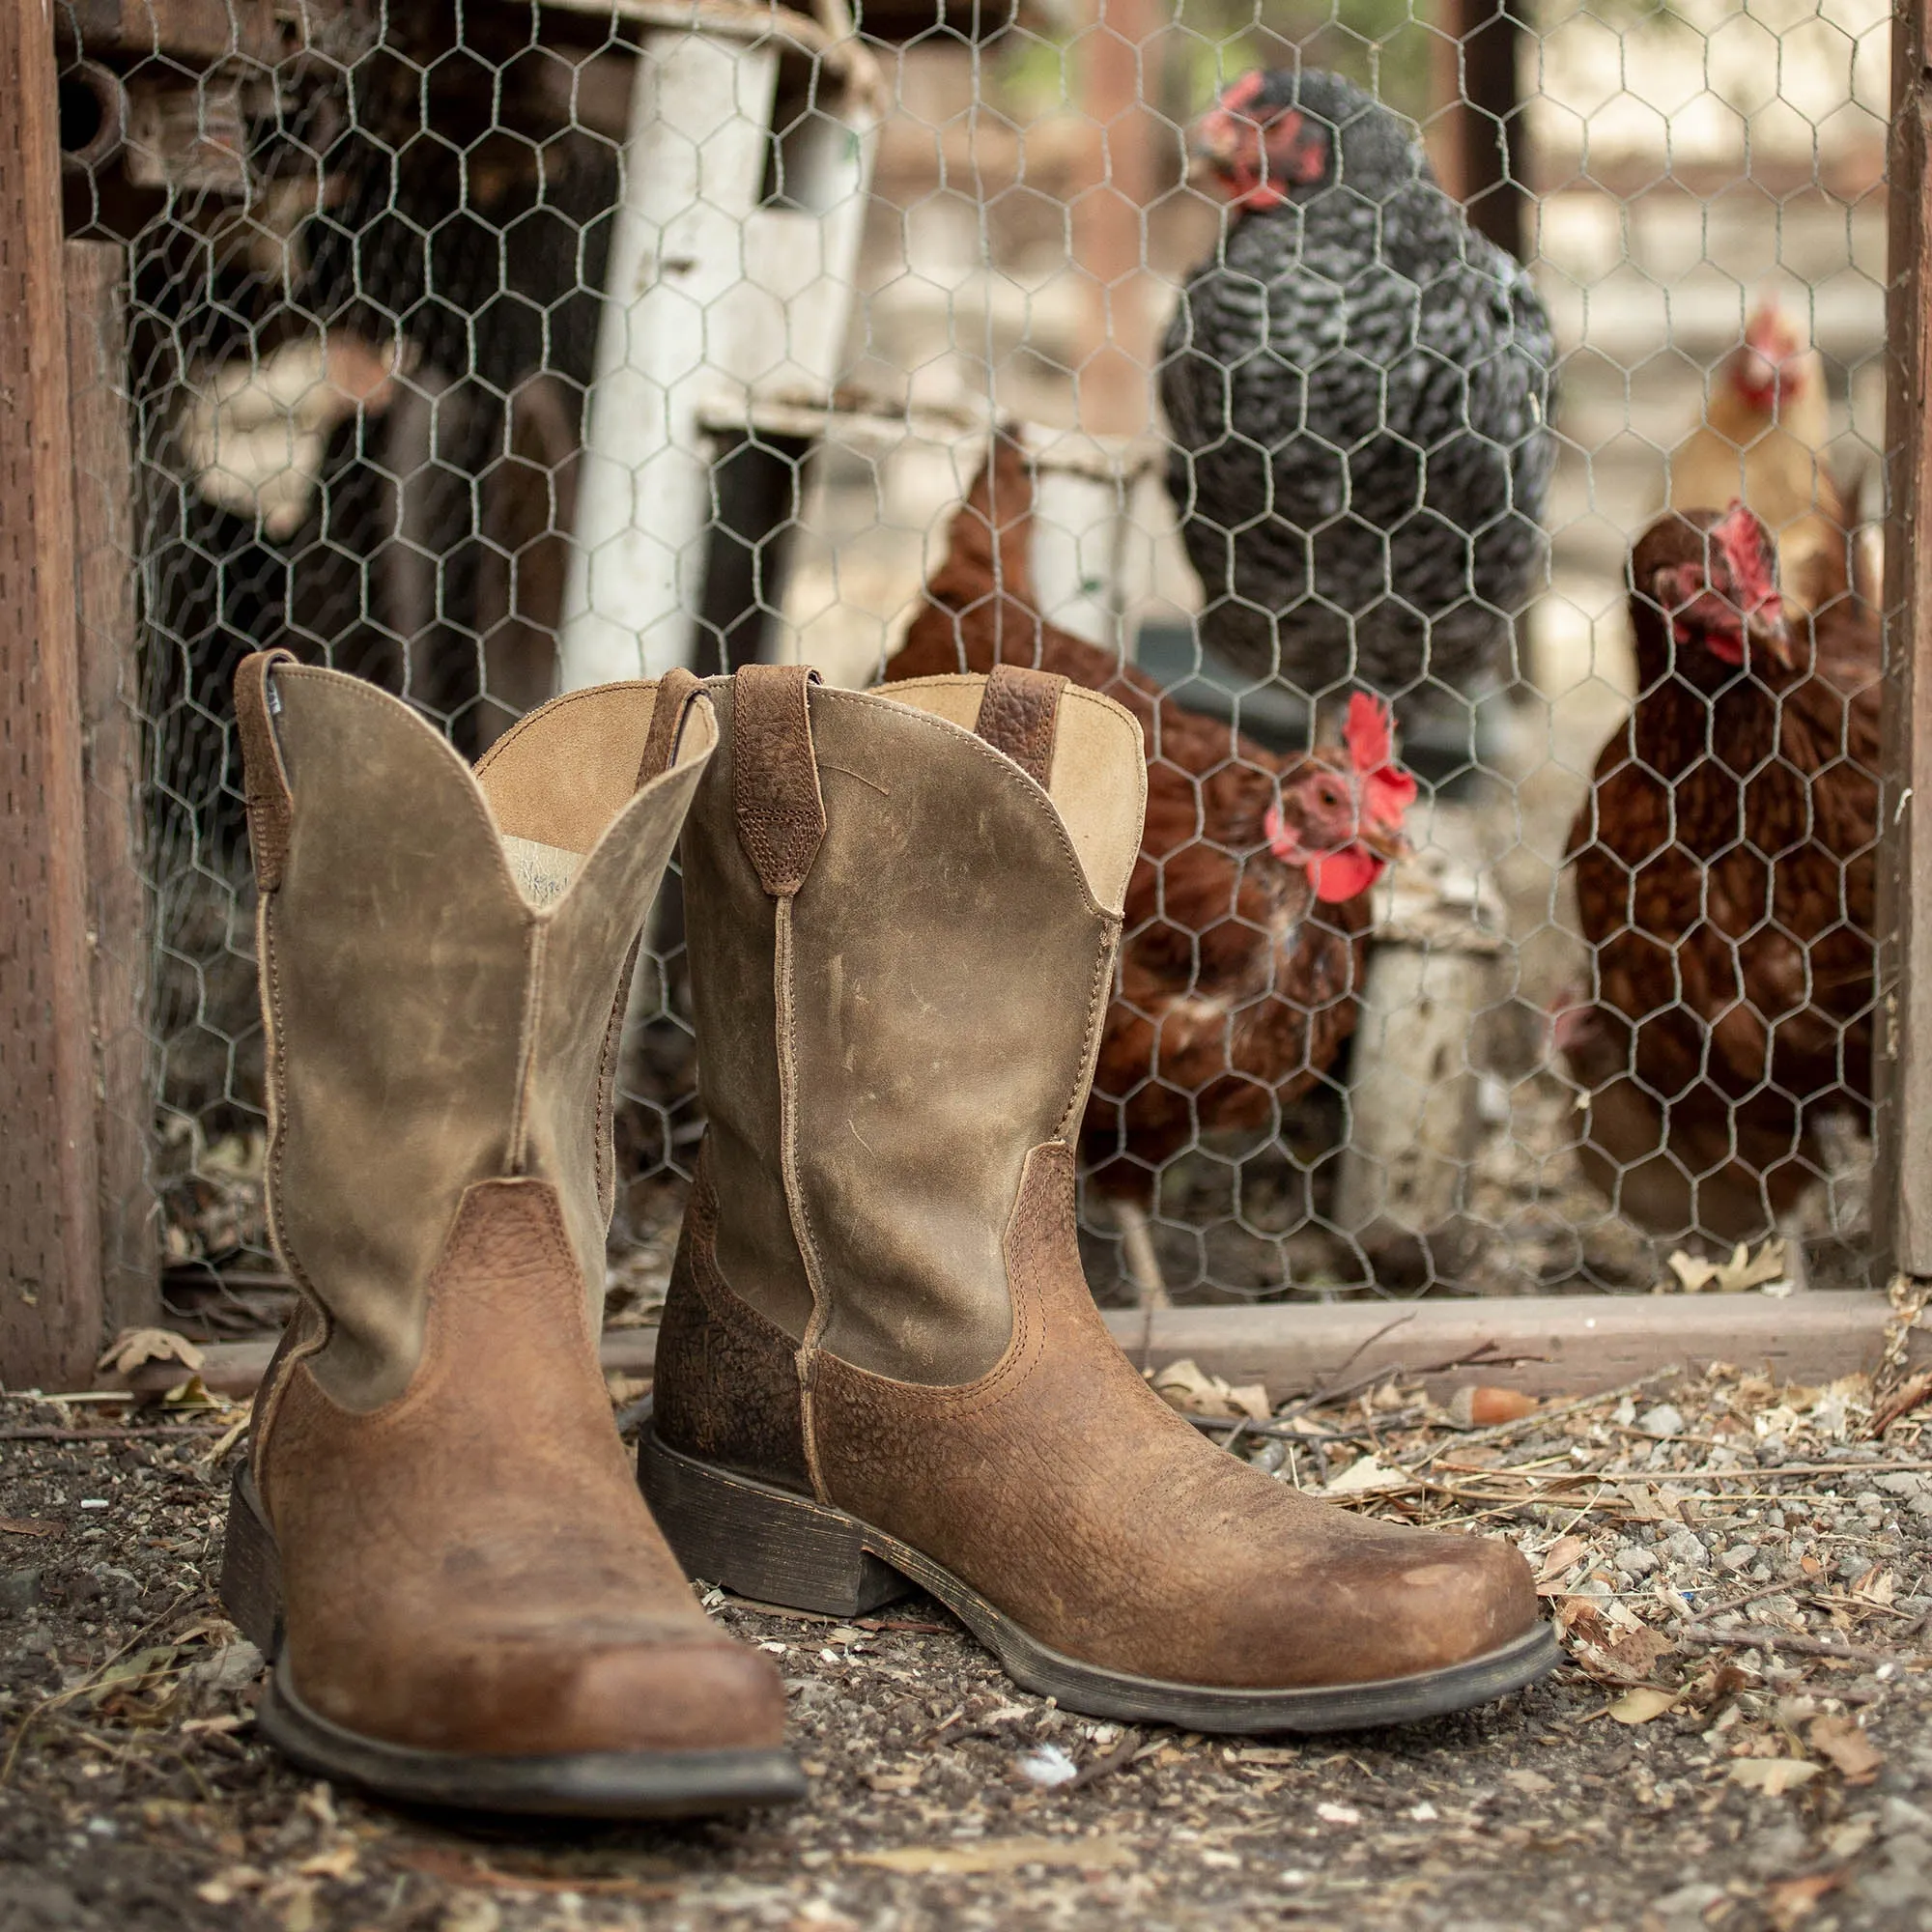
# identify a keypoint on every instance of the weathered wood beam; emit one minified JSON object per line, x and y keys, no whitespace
{"x":50,"y":1305}
{"x":1543,"y":1344}
{"x":1902,"y":1186}
{"x":117,"y":895}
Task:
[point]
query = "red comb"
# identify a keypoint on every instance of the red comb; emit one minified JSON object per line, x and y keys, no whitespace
{"x":1747,"y":548}
{"x":1240,"y":92}
{"x":1369,"y":733}
{"x":1387,"y":790}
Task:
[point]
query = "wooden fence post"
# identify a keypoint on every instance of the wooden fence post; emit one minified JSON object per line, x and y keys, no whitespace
{"x":118,"y":923}
{"x":1902,"y":1191}
{"x":51,"y":1291}
{"x":1482,"y":151}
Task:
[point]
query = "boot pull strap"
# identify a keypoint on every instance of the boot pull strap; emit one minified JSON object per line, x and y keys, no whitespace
{"x":675,"y":690}
{"x":1020,"y":715}
{"x":775,"y":774}
{"x":265,"y":777}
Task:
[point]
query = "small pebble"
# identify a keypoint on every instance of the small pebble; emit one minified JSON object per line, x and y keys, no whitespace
{"x":1663,"y":1420}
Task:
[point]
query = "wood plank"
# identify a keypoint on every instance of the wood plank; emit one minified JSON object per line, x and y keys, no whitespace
{"x":117,"y":898}
{"x":191,"y":31}
{"x":1568,"y":1344}
{"x":1113,"y":390}
{"x":50,"y":1310}
{"x":1902,"y":1186}
{"x":1484,"y":141}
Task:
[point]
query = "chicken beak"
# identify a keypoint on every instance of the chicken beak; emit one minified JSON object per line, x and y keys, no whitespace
{"x":1386,"y":842}
{"x":1770,"y":634}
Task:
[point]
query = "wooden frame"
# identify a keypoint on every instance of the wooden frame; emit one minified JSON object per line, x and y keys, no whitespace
{"x":1543,"y":1345}
{"x":76,"y":1258}
{"x":1902,"y":1186}
{"x":50,"y":1314}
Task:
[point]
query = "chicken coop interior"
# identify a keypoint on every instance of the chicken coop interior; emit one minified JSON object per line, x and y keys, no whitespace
{"x":1458,"y":431}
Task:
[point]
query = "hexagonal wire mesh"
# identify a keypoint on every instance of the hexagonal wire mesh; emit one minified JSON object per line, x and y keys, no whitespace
{"x":484,"y":348}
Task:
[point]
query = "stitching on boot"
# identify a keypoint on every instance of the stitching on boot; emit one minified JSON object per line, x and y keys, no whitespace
{"x":795,"y":1205}
{"x":1099,"y":996}
{"x":269,"y":1400}
{"x":424,"y":1386}
{"x":604,"y":1102}
{"x":527,"y":1051}
{"x":1027,"y":1343}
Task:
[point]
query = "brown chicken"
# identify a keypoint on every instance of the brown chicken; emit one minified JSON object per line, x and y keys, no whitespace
{"x":1724,"y":871}
{"x":1246,"y":913}
{"x":1762,"y":439}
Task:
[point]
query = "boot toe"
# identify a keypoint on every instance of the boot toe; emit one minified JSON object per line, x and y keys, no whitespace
{"x":1455,"y":1599}
{"x":546,"y":1693}
{"x":707,"y":1695}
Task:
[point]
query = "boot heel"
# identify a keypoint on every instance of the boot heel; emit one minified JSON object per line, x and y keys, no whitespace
{"x":252,"y":1572}
{"x":762,"y":1543}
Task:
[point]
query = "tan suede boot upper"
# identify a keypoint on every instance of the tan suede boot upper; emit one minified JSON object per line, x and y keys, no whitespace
{"x":902,"y":942}
{"x":465,"y":1563}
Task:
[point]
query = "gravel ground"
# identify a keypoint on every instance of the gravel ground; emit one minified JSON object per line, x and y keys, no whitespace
{"x":1741,"y":1738}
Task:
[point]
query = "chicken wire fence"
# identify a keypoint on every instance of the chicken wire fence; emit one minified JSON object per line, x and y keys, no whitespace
{"x":484,"y":349}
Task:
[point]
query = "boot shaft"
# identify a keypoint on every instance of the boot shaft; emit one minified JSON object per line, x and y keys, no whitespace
{"x":444,"y":957}
{"x":901,"y":945}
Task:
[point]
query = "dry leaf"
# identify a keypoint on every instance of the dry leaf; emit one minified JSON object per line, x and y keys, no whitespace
{"x":15,"y":1525}
{"x":1846,"y":1746}
{"x":1791,"y":1899}
{"x":1902,"y":1401}
{"x":134,"y":1347}
{"x":1742,"y":1272}
{"x":1368,"y":1476}
{"x":1193,"y":1391}
{"x":1773,"y":1776}
{"x":337,"y":1863}
{"x":1847,"y":1840}
{"x":1000,"y":1855}
{"x":1560,"y":1555}
{"x":1625,"y":1656}
{"x":1876,"y":1586}
{"x":1484,"y":1407}
{"x":1640,"y":1705}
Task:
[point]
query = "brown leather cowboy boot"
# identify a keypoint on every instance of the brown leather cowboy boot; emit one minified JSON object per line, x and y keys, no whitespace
{"x":438,"y":1538}
{"x":879,"y":1361}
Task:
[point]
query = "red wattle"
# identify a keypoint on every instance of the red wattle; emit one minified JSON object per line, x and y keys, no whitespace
{"x":1337,"y":876}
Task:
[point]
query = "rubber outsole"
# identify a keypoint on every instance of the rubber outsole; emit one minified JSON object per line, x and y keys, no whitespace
{"x":777,"y":1548}
{"x":578,"y":1784}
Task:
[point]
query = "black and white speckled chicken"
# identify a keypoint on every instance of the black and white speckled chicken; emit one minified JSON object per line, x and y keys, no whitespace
{"x":1358,"y":386}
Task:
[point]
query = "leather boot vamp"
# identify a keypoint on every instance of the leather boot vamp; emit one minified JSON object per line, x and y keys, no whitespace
{"x":1069,"y":1496}
{"x":470,"y":1567}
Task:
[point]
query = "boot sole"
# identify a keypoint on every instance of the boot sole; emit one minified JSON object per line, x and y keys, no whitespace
{"x":576,"y":1784}
{"x":777,"y":1548}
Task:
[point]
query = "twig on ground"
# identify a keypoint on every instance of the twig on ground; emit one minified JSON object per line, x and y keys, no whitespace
{"x":88,"y":1682}
{"x":35,"y":1435}
{"x":1756,"y":1638}
{"x":1105,"y":1767}
{"x":1537,"y":1418}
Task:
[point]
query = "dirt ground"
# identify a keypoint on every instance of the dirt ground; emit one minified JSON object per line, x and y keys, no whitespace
{"x":1740,"y":1739}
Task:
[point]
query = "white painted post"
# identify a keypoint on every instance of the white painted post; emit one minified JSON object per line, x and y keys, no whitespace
{"x":693,"y":165}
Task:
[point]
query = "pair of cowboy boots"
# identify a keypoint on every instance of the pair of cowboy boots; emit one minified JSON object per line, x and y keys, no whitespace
{"x":879,"y":1365}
